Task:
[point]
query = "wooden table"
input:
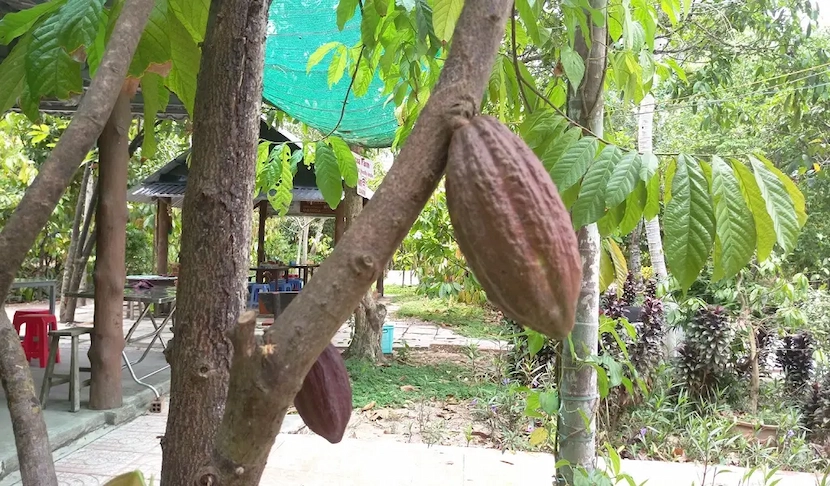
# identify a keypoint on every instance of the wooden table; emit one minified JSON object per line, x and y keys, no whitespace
{"x":30,"y":283}
{"x":306,"y":270}
{"x":146,"y":298}
{"x":156,"y":280}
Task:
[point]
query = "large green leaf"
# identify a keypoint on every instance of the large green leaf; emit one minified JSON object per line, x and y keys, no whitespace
{"x":635,"y":204}
{"x":652,"y":208}
{"x":13,"y":74}
{"x":193,"y":14}
{"x":78,"y":22}
{"x":795,"y":194}
{"x":444,"y":17}
{"x":779,"y":205}
{"x":154,"y":51}
{"x":95,"y":52}
{"x":623,"y":179}
{"x":573,"y":65}
{"x":764,"y":227}
{"x":155,"y":97}
{"x":735,"y":229}
{"x":328,"y":174}
{"x":346,"y":163}
{"x":620,"y":265}
{"x":186,"y":56}
{"x":688,"y":221}
{"x":590,"y":205}
{"x":15,"y":24}
{"x":529,"y":11}
{"x":318,"y":55}
{"x":539,"y":129}
{"x":50,"y":71}
{"x":606,"y":269}
{"x":557,"y":148}
{"x":339,"y":62}
{"x":345,"y":12}
{"x":648,"y":166}
{"x":574,"y":162}
{"x":280,"y":195}
{"x":610,"y":222}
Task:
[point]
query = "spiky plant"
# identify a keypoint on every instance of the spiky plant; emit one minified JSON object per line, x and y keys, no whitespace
{"x":651,"y":288}
{"x":705,"y":354}
{"x":648,"y":351}
{"x":796,"y":358}
{"x":629,"y":295}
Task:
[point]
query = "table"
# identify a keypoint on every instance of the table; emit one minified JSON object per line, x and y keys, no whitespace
{"x":146,"y":298}
{"x":156,"y":280}
{"x":307,"y":270}
{"x":31,"y":283}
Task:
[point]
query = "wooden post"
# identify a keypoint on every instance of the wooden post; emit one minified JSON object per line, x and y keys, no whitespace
{"x":163,"y":224}
{"x":260,"y":249}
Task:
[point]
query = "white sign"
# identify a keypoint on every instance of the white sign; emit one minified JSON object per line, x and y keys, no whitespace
{"x":365,"y":171}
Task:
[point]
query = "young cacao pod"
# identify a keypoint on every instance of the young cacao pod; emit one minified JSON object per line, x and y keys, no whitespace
{"x":325,"y":399}
{"x":512,"y":227}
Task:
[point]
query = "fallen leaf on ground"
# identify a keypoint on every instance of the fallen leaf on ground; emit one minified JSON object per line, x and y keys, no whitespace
{"x":408,"y":388}
{"x":368,"y":406}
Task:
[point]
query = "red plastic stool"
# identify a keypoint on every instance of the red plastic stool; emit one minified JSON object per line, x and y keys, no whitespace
{"x":36,"y":341}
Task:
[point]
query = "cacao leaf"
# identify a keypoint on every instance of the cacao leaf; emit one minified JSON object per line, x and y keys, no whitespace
{"x":652,"y":207}
{"x":49,"y":68}
{"x":95,"y":51}
{"x":154,"y":51}
{"x":327,"y":174}
{"x":620,"y":264}
{"x":609,"y":223}
{"x":345,"y":11}
{"x":590,"y":205}
{"x":795,"y":194}
{"x":186,"y":55}
{"x":281,"y":195}
{"x":689,"y":222}
{"x":764,"y":226}
{"x":634,"y":206}
{"x":574,"y":66}
{"x":15,"y":24}
{"x":779,"y":205}
{"x":549,"y":402}
{"x":339,"y":61}
{"x":539,"y":129}
{"x":606,"y":269}
{"x":319,"y":54}
{"x":445,"y":15}
{"x":77,"y":23}
{"x":155,"y":97}
{"x":346,"y":162}
{"x":134,"y":478}
{"x":193,"y":15}
{"x":625,"y":176}
{"x":538,"y":436}
{"x":530,"y":18}
{"x":13,"y":74}
{"x":559,"y":147}
{"x":735,"y":229}
{"x":574,"y":162}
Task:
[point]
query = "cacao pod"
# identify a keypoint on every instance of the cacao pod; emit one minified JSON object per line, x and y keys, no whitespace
{"x":325,"y":400}
{"x":512,"y":227}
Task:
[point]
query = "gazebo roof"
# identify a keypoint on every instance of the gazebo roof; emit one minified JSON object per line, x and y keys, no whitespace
{"x":170,"y":181}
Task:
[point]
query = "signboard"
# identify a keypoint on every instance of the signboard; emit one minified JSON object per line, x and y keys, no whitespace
{"x":316,"y":207}
{"x":365,"y":171}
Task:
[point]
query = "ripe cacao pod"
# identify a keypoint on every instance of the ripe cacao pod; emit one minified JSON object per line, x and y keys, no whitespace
{"x":325,"y":400}
{"x":512,"y":227}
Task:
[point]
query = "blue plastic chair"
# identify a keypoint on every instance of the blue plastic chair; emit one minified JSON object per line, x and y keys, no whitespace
{"x":254,"y":289}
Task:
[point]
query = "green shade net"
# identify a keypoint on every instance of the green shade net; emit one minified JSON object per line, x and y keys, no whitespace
{"x":296,"y":28}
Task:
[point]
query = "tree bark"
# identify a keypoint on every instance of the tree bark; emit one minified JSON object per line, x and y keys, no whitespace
{"x":110,"y":273}
{"x":163,"y":224}
{"x":265,"y":378}
{"x":369,"y":315}
{"x":74,"y":245}
{"x":578,"y":385}
{"x":32,"y":214}
{"x":216,"y":234}
{"x":82,"y":258}
{"x":634,"y":253}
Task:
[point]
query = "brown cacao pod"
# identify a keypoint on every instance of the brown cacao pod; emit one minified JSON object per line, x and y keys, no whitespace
{"x":512,"y":227}
{"x":325,"y":399}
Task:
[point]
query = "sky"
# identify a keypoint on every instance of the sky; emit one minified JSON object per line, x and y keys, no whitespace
{"x":824,"y":12}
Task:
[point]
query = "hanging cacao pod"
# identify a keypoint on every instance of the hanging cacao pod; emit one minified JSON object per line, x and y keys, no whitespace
{"x":325,"y":400}
{"x":512,"y":227}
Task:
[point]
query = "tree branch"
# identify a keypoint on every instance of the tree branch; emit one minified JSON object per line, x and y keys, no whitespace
{"x":306,"y":327}
{"x":32,"y":214}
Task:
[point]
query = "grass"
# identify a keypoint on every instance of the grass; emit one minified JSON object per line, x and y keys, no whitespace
{"x":382,"y":384}
{"x":468,"y":320}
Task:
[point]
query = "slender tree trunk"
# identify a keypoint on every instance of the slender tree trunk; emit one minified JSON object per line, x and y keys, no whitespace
{"x":78,"y":262}
{"x":110,"y":273}
{"x":634,"y":253}
{"x":369,"y":315}
{"x":75,"y":245}
{"x":216,"y":235}
{"x":163,"y":224}
{"x":578,"y":385}
{"x":32,"y":214}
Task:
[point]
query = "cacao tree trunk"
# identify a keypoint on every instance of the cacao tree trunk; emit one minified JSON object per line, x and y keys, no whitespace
{"x":74,"y":245}
{"x":265,"y":378}
{"x":32,"y":214}
{"x":110,"y":273}
{"x":216,"y":236}
{"x":578,"y":383}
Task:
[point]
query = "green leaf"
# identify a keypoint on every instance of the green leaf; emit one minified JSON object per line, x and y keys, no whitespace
{"x":608,"y":224}
{"x":569,"y":196}
{"x":193,"y":15}
{"x":327,"y":174}
{"x":155,"y":97}
{"x":689,"y":222}
{"x":49,"y":69}
{"x":620,"y":265}
{"x":530,"y":18}
{"x":624,"y":178}
{"x":13,"y":74}
{"x":779,"y":205}
{"x":78,"y":22}
{"x":319,"y":54}
{"x":652,"y":208}
{"x":30,"y":104}
{"x":382,"y":7}
{"x":590,"y":206}
{"x":539,"y":129}
{"x":338,"y":65}
{"x":549,"y":402}
{"x":574,"y":163}
{"x":735,"y":230}
{"x":345,"y":12}
{"x":606,"y":269}
{"x":153,"y":53}
{"x":363,"y":79}
{"x":186,"y":56}
{"x":764,"y":227}
{"x":557,"y":148}
{"x":445,"y":15}
{"x":15,"y":24}
{"x":95,"y":52}
{"x":795,"y":194}
{"x":648,"y":166}
{"x":538,"y":436}
{"x":535,"y":341}
{"x":281,"y":195}
{"x":346,"y":163}
{"x":635,"y":204}
{"x":573,"y":65}
{"x":369,"y":25}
